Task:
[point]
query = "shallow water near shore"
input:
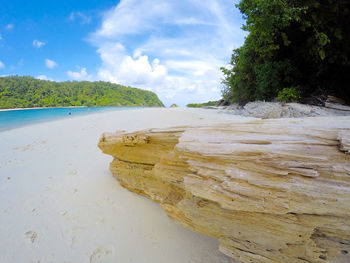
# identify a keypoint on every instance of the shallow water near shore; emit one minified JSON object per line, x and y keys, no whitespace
{"x":10,"y":119}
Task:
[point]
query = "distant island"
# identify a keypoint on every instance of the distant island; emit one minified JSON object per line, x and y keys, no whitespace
{"x":28,"y":92}
{"x":199,"y":105}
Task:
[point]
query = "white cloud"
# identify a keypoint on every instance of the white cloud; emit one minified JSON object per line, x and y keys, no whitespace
{"x":191,"y":21}
{"x":50,"y":63}
{"x":0,"y":37}
{"x":84,"y":19}
{"x":79,"y":75}
{"x":9,"y":26}
{"x":174,"y":48}
{"x":125,"y":69}
{"x":132,"y":16}
{"x":38,"y":43}
{"x":2,"y":65}
{"x":44,"y":77}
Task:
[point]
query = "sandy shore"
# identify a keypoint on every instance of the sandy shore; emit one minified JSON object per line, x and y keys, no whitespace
{"x":60,"y":203}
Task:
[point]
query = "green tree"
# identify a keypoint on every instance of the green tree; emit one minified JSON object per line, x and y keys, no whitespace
{"x":198,"y":105}
{"x":304,"y":44}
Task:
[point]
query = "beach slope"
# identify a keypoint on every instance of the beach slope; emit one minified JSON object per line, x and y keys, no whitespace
{"x":60,"y":203}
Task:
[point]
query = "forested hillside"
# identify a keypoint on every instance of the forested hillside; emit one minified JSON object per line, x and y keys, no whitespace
{"x":20,"y":92}
{"x":294,"y":49}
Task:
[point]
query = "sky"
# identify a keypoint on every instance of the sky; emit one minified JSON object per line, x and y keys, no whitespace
{"x":173,"y":48}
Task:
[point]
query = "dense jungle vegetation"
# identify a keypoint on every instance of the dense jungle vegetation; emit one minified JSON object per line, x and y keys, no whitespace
{"x":27,"y":92}
{"x":295,"y":49}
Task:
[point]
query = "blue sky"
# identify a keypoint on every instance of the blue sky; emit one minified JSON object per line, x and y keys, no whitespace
{"x":174,"y":48}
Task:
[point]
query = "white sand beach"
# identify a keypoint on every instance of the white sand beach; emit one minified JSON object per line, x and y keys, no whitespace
{"x":60,"y":203}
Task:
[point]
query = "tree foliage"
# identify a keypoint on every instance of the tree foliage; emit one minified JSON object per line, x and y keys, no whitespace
{"x":23,"y":92}
{"x":199,"y":105}
{"x":291,"y":43}
{"x":288,"y":94}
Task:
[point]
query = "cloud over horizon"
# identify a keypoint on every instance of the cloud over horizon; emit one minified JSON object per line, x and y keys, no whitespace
{"x":43,"y":77}
{"x":172,"y":48}
{"x":79,"y":75}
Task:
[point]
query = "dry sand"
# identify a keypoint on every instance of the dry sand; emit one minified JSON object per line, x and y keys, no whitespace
{"x":60,"y":203}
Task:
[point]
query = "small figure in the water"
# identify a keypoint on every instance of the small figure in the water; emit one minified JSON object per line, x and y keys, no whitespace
{"x":89,"y":109}
{"x":69,"y":113}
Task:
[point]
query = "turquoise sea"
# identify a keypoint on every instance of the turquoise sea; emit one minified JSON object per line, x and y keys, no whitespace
{"x":10,"y":119}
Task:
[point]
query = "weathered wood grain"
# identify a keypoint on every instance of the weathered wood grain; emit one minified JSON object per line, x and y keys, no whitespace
{"x":268,"y":190}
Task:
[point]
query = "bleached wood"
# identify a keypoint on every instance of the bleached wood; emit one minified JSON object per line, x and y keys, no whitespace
{"x":268,"y":190}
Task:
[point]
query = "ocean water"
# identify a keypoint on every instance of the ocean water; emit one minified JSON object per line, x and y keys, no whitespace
{"x":11,"y":119}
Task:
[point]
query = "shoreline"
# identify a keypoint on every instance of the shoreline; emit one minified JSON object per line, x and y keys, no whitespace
{"x":67,"y":107}
{"x":13,"y":122}
{"x":201,"y":112}
{"x":39,"y":108}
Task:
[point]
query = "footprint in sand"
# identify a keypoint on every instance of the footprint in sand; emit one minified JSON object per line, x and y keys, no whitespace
{"x":103,"y":254}
{"x":23,"y":148}
{"x":31,"y":236}
{"x":29,"y":146}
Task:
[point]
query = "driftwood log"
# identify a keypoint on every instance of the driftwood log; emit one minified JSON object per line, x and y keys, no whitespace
{"x":268,"y":190}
